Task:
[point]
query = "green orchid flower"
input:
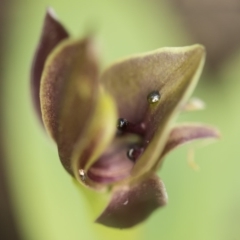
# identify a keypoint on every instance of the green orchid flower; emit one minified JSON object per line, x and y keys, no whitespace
{"x":113,"y":128}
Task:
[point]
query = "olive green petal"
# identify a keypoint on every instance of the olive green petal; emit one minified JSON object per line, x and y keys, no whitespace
{"x":52,"y":34}
{"x":132,"y":79}
{"x":176,"y":72}
{"x":131,"y":205}
{"x":94,"y":141}
{"x":69,"y":92}
{"x":186,"y":133}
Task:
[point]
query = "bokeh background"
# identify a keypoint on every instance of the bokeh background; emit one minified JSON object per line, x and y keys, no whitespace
{"x":38,"y":199}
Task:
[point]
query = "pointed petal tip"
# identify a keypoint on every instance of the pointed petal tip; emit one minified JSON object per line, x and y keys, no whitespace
{"x":196,"y":50}
{"x":131,"y":206}
{"x":52,"y":34}
{"x":197,"y":47}
{"x":51,"y":12}
{"x":200,"y":50}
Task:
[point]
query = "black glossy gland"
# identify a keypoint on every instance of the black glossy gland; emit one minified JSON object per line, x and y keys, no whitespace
{"x":127,"y":127}
{"x":122,"y":123}
{"x":153,"y":97}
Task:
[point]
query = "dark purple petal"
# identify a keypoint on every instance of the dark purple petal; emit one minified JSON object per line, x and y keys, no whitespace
{"x":183,"y":134}
{"x":52,"y":33}
{"x":132,"y":205}
{"x":113,"y":165}
{"x":69,"y":93}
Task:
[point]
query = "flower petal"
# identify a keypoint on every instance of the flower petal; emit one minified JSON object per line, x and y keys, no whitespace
{"x":171,"y":72}
{"x":97,"y":136}
{"x":176,"y":81}
{"x":186,"y":133}
{"x":52,"y":34}
{"x":113,"y":165}
{"x":69,"y":93}
{"x":132,"y":205}
{"x":164,"y":70}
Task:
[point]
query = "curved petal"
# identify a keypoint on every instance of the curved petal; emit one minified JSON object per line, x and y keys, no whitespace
{"x":131,"y":80}
{"x":132,"y":205}
{"x":52,"y":34}
{"x":183,"y":68}
{"x":113,"y":165}
{"x":186,"y":133}
{"x":170,"y":72}
{"x":95,"y":139}
{"x":69,"y":93}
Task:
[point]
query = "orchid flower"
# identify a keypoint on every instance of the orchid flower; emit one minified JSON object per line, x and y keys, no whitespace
{"x":113,"y":128}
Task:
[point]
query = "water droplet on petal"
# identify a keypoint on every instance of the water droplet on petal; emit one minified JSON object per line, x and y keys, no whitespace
{"x":130,"y":153}
{"x":121,"y":123}
{"x":126,"y":202}
{"x":153,"y":97}
{"x":82,"y":175}
{"x":134,"y":152}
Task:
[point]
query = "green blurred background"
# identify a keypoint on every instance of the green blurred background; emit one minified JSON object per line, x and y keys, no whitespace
{"x":46,"y":204}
